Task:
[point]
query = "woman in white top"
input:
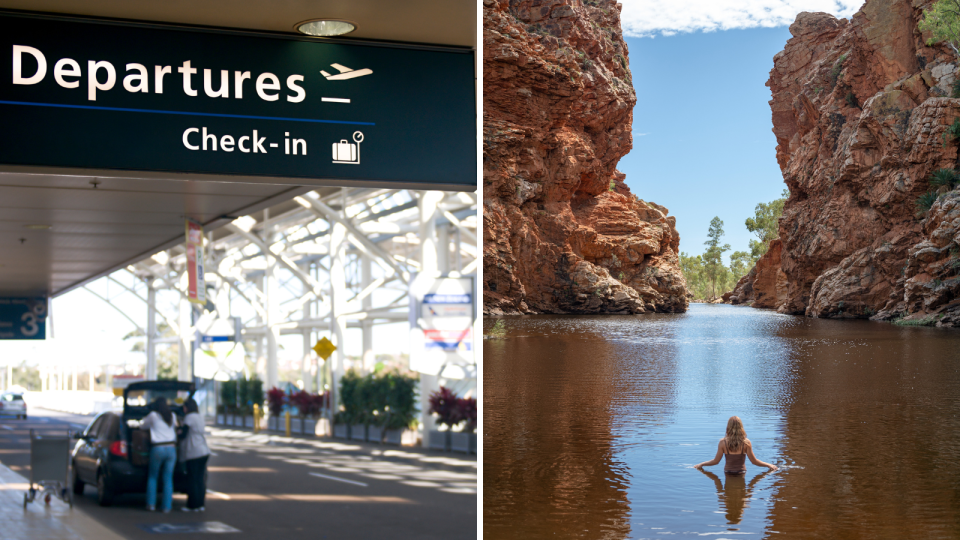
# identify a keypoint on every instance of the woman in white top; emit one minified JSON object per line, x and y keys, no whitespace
{"x":163,"y":453}
{"x":194,"y":452}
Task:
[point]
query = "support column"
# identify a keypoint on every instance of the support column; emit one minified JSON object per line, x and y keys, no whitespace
{"x":457,"y":246}
{"x":428,"y":203}
{"x":338,"y":301}
{"x":443,"y":249}
{"x":185,"y":346}
{"x":272,"y":308}
{"x":429,"y":265}
{"x":366,"y":325}
{"x":151,"y":331}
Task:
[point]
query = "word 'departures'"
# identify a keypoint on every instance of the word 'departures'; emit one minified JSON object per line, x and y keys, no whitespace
{"x":101,"y":76}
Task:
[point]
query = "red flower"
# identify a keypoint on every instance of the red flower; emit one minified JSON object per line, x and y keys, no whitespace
{"x":444,"y":403}
{"x":276,"y":398}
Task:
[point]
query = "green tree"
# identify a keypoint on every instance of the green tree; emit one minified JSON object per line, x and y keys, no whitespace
{"x":740,"y":263}
{"x":765,"y":224}
{"x":692,"y":267}
{"x":943,"y":23}
{"x":713,"y":256}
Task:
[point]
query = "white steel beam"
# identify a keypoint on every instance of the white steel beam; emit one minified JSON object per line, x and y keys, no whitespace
{"x":315,"y":287}
{"x":325,"y":212}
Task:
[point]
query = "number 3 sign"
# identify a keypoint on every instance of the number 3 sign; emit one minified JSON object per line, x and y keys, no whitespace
{"x":23,"y":318}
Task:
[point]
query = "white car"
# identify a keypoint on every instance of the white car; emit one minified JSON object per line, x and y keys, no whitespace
{"x":12,"y":404}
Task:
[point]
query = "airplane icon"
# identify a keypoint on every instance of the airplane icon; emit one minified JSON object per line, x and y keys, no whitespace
{"x":345,"y":73}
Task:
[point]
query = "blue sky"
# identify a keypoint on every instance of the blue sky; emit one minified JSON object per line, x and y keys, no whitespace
{"x":703,"y":144}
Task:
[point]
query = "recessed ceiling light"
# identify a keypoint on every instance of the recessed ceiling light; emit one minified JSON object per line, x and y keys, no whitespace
{"x":325,"y":27}
{"x":37,"y":227}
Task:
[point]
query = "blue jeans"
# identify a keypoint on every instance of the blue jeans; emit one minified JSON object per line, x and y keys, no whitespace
{"x":162,"y":460}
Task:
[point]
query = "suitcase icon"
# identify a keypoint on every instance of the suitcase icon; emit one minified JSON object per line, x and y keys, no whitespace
{"x":344,"y":151}
{"x":347,"y":152}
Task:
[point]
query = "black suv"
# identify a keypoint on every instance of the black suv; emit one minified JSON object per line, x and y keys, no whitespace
{"x":106,"y":454}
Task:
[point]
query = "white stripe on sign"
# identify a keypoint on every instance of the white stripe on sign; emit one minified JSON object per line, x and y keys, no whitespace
{"x":334,"y":100}
{"x":7,"y":428}
{"x":337,"y":479}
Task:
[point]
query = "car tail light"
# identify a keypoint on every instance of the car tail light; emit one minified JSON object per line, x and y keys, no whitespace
{"x":119,"y":448}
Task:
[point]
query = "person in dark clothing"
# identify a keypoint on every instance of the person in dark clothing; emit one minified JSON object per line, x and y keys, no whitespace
{"x":194,"y":452}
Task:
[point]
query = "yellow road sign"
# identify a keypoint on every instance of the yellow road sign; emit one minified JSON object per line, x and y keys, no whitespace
{"x":324,"y":348}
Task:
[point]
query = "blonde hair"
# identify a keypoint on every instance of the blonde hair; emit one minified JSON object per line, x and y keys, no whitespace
{"x":736,"y":436}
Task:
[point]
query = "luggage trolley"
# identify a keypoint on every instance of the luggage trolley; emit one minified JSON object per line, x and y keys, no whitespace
{"x":49,"y":468}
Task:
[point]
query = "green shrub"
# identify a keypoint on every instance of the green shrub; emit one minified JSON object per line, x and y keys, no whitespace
{"x":943,"y":177}
{"x":952,"y":132}
{"x":924,"y":321}
{"x":497,"y":331}
{"x":956,"y":88}
{"x":837,"y":68}
{"x":243,"y":394}
{"x":386,"y":398}
{"x":255,"y":392}
{"x":925,"y":201}
{"x":228,"y":396}
{"x":350,"y":400}
{"x":613,"y":185}
{"x":400,"y":401}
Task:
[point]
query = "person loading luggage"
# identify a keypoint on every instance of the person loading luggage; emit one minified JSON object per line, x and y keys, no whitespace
{"x":194,"y":452}
{"x":163,"y":453}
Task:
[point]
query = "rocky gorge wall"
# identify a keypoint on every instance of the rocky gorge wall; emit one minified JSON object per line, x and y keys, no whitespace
{"x":562,"y":233}
{"x":860,"y":113}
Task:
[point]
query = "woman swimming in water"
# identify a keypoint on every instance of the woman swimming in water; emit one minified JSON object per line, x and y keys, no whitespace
{"x":736,"y":447}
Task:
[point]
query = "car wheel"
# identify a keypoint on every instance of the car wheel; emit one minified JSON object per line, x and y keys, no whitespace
{"x":104,"y":492}
{"x":78,"y":484}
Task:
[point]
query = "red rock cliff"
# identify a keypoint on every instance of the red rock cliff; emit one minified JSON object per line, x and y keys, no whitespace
{"x":859,"y":112}
{"x":561,"y":231}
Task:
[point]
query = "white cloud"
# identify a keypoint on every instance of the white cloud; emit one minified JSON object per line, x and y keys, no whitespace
{"x":648,"y":18}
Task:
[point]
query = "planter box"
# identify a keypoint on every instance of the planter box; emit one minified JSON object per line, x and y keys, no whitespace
{"x":438,"y":440}
{"x":401,"y":437}
{"x":295,"y":425}
{"x":460,"y":442}
{"x":358,"y":432}
{"x":473,"y":443}
{"x":273,"y":423}
{"x":309,"y":426}
{"x":341,"y":431}
{"x":220,"y":420}
{"x":248,"y":421}
{"x":230,"y":420}
{"x":375,"y":434}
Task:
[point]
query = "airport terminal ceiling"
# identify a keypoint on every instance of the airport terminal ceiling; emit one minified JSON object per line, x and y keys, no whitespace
{"x":60,"y":228}
{"x":434,"y":22}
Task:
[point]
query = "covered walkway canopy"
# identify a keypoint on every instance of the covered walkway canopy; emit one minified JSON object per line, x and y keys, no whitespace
{"x":101,"y":165}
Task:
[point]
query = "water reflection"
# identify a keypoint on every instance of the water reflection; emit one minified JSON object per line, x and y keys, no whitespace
{"x":734,"y":493}
{"x":562,"y":402}
{"x":592,"y":425}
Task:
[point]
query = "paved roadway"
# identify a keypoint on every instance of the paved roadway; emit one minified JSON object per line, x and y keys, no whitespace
{"x":274,"y":488}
